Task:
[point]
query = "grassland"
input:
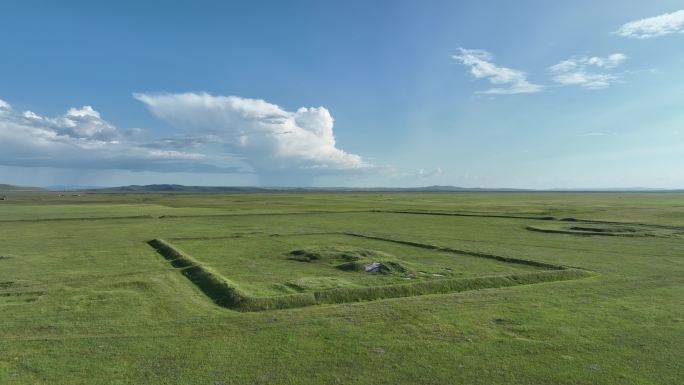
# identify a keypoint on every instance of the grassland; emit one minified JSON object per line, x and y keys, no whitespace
{"x":264,"y":265}
{"x":84,"y":299}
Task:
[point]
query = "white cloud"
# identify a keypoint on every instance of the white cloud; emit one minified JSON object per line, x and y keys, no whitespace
{"x":81,"y":139}
{"x":82,"y":123}
{"x":422,"y":173}
{"x":588,"y":72}
{"x":660,"y":25}
{"x":482,"y":67}
{"x":265,"y":135}
{"x":220,"y":135}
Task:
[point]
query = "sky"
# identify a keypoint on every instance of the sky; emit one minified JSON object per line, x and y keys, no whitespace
{"x":525,"y":94}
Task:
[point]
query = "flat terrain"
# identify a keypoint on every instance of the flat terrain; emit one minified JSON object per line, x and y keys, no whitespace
{"x":265,"y":265}
{"x":84,"y":299}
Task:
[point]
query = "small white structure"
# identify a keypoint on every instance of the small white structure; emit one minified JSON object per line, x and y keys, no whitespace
{"x":373,"y":267}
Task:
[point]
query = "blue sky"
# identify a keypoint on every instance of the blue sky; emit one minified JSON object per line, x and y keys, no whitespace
{"x":530,"y":94}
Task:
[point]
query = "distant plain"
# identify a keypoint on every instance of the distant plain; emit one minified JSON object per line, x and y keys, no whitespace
{"x":84,"y":299}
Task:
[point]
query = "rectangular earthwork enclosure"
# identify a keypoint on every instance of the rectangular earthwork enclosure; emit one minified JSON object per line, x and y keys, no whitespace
{"x":260,"y":272}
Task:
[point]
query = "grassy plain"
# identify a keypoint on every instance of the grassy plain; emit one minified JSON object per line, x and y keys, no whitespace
{"x":85,"y":300}
{"x":262,"y":264}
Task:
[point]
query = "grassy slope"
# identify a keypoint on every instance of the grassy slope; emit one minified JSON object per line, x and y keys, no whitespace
{"x":114,"y":312}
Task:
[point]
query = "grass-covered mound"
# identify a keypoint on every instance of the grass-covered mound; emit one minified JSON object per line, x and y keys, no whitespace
{"x":373,"y":267}
{"x":349,"y":258}
{"x":340,"y":253}
{"x":319,"y":283}
{"x":603,"y":229}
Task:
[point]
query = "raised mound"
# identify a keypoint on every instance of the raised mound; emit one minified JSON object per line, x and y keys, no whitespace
{"x":318,"y":283}
{"x":591,"y":229}
{"x":340,"y":253}
{"x":352,"y":258}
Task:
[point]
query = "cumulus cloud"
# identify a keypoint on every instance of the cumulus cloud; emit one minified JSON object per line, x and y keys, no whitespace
{"x":80,"y":123}
{"x":588,"y":72}
{"x":218,"y":134}
{"x":650,"y":27}
{"x":265,"y":135}
{"x":510,"y":81}
{"x":81,"y":139}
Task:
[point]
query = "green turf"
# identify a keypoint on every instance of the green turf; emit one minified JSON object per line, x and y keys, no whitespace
{"x":363,"y":274}
{"x":90,"y":302}
{"x":263,"y":265}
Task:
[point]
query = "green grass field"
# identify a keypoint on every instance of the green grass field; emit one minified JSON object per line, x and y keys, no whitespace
{"x":264,"y":266}
{"x":85,"y":299}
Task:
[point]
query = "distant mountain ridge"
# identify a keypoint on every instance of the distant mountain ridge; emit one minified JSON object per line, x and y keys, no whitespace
{"x":172,"y":188}
{"x":217,"y":189}
{"x":175,"y":188}
{"x":434,"y":188}
{"x":13,"y":188}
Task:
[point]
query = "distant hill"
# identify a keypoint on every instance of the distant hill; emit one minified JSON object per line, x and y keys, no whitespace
{"x":175,"y":188}
{"x":218,"y":189}
{"x":13,"y":188}
{"x":157,"y":188}
{"x":456,"y":188}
